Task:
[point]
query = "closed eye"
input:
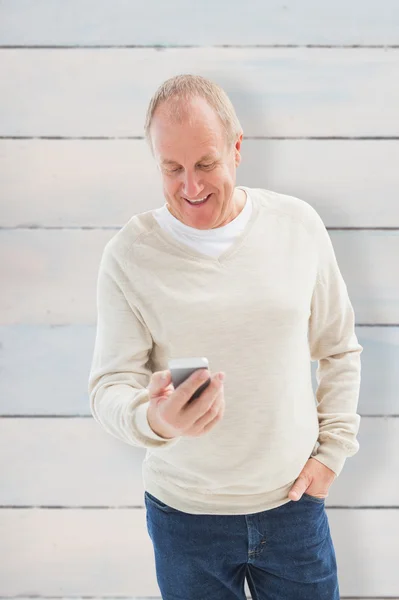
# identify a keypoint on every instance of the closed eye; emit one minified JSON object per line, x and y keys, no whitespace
{"x":210,"y":166}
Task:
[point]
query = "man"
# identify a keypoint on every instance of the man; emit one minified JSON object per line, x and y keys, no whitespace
{"x":235,"y":482}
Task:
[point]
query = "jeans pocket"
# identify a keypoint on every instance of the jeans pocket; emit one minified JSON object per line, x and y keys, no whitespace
{"x":314,"y":498}
{"x":149,"y":498}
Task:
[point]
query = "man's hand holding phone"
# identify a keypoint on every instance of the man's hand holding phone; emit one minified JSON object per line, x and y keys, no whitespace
{"x":171,"y":414}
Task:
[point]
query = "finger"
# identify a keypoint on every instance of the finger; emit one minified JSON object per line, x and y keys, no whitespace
{"x":299,"y":487}
{"x":159,"y":382}
{"x":186,"y":389}
{"x":205,"y":407}
{"x":208,"y":420}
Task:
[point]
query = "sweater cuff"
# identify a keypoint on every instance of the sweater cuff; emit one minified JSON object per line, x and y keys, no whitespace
{"x":145,"y":430}
{"x":332,"y":456}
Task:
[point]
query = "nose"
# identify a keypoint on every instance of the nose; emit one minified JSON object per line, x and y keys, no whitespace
{"x":192,"y":187}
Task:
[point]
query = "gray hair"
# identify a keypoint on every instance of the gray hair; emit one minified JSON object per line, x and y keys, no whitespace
{"x":186,"y":87}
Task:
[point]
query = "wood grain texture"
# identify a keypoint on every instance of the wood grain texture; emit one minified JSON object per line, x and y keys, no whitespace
{"x":75,"y":463}
{"x":276,"y":91}
{"x":108,"y":552}
{"x":101,"y":183}
{"x":224,"y":22}
{"x":58,"y":269}
{"x":55,"y":361}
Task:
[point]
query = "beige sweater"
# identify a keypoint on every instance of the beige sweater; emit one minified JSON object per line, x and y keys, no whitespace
{"x":260,"y":312}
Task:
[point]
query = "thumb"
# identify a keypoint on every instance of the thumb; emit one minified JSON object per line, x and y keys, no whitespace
{"x":299,"y":487}
{"x":159,"y":382}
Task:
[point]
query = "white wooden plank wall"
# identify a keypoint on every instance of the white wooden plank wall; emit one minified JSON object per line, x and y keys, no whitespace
{"x":316,"y":86}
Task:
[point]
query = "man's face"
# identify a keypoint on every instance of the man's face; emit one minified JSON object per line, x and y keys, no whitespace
{"x":196,"y":162}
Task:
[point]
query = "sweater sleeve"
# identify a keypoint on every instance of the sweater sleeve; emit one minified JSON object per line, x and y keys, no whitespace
{"x":333,"y":343}
{"x":119,"y":373}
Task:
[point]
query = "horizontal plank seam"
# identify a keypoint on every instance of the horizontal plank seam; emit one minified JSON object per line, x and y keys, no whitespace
{"x":59,"y":325}
{"x":86,"y":416}
{"x":246,"y":137}
{"x":117,"y":227}
{"x":159,"y":597}
{"x":377,"y":325}
{"x":158,"y":47}
{"x":140,"y":506}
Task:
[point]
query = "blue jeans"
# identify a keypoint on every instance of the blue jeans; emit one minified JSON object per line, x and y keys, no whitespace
{"x":285,"y":553}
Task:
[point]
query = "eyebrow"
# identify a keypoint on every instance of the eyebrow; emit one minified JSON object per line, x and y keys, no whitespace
{"x":167,"y":161}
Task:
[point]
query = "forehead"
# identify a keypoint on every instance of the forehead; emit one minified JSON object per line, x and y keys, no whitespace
{"x":198,"y":132}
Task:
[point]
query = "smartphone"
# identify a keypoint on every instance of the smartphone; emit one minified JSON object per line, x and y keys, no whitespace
{"x":181,"y":368}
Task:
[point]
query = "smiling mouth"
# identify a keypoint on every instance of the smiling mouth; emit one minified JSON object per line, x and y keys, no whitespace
{"x":201,"y":203}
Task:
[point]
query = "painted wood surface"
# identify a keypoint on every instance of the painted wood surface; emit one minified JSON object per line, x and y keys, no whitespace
{"x":101,"y":183}
{"x":55,"y":361}
{"x":47,"y":299}
{"x":58,"y":269}
{"x":96,"y":552}
{"x":74,"y":463}
{"x":54,"y":22}
{"x":276,"y":91}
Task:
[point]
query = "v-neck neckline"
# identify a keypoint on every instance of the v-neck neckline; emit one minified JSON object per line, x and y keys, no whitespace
{"x":234,"y":247}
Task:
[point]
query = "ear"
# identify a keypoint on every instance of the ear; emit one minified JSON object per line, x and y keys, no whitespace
{"x":237,"y":149}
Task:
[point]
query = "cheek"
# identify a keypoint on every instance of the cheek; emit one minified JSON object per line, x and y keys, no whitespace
{"x":218,"y":179}
{"x":170,"y":185}
{"x":226,"y":177}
